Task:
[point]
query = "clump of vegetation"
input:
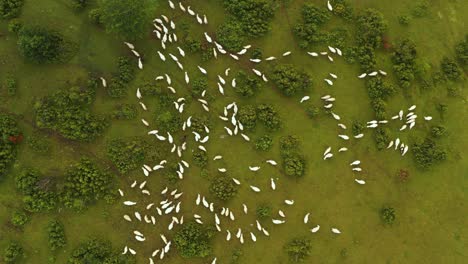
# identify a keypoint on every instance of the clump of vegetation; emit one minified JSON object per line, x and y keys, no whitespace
{"x":404,"y":62}
{"x":200,"y":158}
{"x":461,"y":51}
{"x":11,"y":85}
{"x":247,"y":85}
{"x":126,"y":18}
{"x":312,"y":111}
{"x":264,"y":143}
{"x":223,"y":188}
{"x":294,"y":164}
{"x":371,"y":26}
{"x":193,"y":240}
{"x":451,"y":70}
{"x":428,"y":153}
{"x":298,"y":249}
{"x":421,"y":9}
{"x":126,"y":155}
{"x":387,"y":215}
{"x":14,"y":26}
{"x":231,"y":35}
{"x":199,"y":85}
{"x":13,"y":253}
{"x":97,"y":251}
{"x":404,"y":20}
{"x":19,"y":218}
{"x":56,"y":234}
{"x":357,"y":127}
{"x":117,"y":87}
{"x":67,"y":112}
{"x":41,"y":46}
{"x":289,"y":80}
{"x":79,"y":4}
{"x":10,"y":8}
{"x":169,"y":121}
{"x":125,"y":112}
{"x":263,"y":211}
{"x":85,"y":183}
{"x":9,"y":135}
{"x":268,"y":115}
{"x":254,"y":15}
{"x":38,"y":192}
{"x":308,"y":31}
{"x":438,"y":131}
{"x":248,"y":117}
{"x":381,"y":138}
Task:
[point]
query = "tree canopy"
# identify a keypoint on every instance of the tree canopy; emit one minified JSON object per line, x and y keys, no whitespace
{"x":9,"y":133}
{"x":193,"y":240}
{"x":129,"y":19}
{"x":68,"y":113}
{"x":290,"y":80}
{"x":40,"y":45}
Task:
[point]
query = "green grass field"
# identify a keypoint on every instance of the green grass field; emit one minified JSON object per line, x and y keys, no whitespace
{"x":431,"y":224}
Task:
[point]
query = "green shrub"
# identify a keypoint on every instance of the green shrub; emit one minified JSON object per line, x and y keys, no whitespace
{"x":78,"y":4}
{"x":289,"y":80}
{"x":264,"y":143}
{"x":248,"y":117}
{"x":438,"y":131}
{"x":200,"y":158}
{"x":98,"y":251}
{"x":39,"y":45}
{"x":14,"y":26}
{"x":223,"y":188}
{"x":85,"y":183}
{"x":10,"y":8}
{"x":294,"y":166}
{"x":56,"y":234}
{"x":126,"y":155}
{"x":192,"y":241}
{"x":312,"y":111}
{"x":125,"y":112}
{"x":95,"y":16}
{"x":387,"y":215}
{"x":421,"y":9}
{"x":263,"y":211}
{"x":427,"y":153}
{"x":19,"y":218}
{"x":11,"y":85}
{"x":230,"y":35}
{"x":461,"y":51}
{"x":404,"y":20}
{"x":298,"y":249}
{"x":68,"y":113}
{"x":268,"y":115}
{"x":126,"y":18}
{"x":450,"y":69}
{"x":13,"y":253}
{"x":247,"y":85}
{"x":404,"y":62}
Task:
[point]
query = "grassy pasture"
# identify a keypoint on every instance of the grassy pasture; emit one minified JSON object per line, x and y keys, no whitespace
{"x":430,"y":227}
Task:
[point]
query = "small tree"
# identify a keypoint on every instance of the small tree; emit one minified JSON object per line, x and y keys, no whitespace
{"x":127,"y":18}
{"x":298,"y":249}
{"x":12,"y":253}
{"x":387,"y":215}
{"x":223,"y":188}
{"x":19,"y":219}
{"x":193,"y":241}
{"x":39,"y":45}
{"x":56,"y":233}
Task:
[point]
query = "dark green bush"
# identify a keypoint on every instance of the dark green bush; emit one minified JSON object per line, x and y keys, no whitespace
{"x":223,"y":188}
{"x":298,"y":249}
